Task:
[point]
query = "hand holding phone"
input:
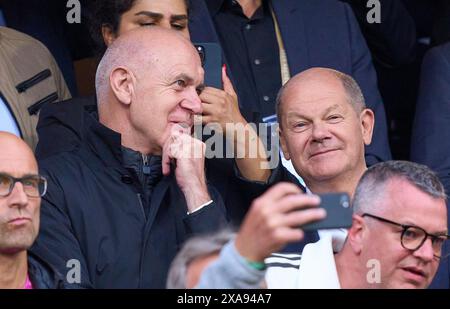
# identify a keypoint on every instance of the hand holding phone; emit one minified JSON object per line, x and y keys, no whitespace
{"x":339,"y":212}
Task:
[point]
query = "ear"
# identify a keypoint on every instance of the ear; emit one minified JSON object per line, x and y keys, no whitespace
{"x":108,"y":34}
{"x":356,"y":234}
{"x":283,"y":144}
{"x":122,"y":84}
{"x":367,"y":119}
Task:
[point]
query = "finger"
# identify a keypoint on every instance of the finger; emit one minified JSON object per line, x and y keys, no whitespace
{"x":209,"y":109}
{"x":278,"y":191}
{"x":165,"y":161}
{"x":210,"y":95}
{"x":284,"y":235}
{"x":294,"y":202}
{"x":302,"y":217}
{"x":227,"y":85}
{"x":179,"y":129}
{"x":211,"y":124}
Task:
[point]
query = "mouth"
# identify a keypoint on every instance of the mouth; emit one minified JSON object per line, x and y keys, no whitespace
{"x":19,"y":221}
{"x":415,"y":274}
{"x":323,"y":152}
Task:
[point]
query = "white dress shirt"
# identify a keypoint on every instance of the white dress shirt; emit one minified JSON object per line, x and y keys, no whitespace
{"x":7,"y":121}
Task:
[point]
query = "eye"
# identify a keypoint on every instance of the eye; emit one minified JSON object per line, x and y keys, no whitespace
{"x":5,"y":181}
{"x":178,"y":27}
{"x":300,"y":126}
{"x":411,"y":233}
{"x":334,"y":118}
{"x":438,"y":241}
{"x":30,"y":182}
{"x":199,"y":90}
{"x":147,"y":24}
{"x":180,"y":83}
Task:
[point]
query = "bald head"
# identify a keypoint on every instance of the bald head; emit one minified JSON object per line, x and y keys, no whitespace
{"x":316,"y":80}
{"x":19,"y":212}
{"x":137,"y":50}
{"x":16,"y":157}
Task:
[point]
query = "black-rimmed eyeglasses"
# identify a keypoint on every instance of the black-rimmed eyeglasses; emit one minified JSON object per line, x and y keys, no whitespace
{"x":33,"y":185}
{"x":413,"y":237}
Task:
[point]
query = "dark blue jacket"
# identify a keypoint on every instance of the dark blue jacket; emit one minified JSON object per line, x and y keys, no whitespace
{"x":42,"y":275}
{"x":316,"y":33}
{"x":93,"y":212}
{"x":430,"y":144}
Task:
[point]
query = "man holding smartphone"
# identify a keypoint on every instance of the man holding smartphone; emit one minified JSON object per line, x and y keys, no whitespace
{"x":398,"y":237}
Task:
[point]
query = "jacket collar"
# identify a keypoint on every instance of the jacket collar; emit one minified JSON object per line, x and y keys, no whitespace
{"x":42,"y":275}
{"x":105,"y":143}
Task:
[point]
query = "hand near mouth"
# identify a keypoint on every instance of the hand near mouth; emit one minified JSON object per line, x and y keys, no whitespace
{"x":185,"y":155}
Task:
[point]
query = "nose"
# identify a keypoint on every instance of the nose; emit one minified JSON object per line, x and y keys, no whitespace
{"x":425,"y":252}
{"x":320,"y":132}
{"x":192,"y":102}
{"x":17,"y":197}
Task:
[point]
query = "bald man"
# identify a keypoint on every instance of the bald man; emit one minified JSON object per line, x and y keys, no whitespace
{"x":123,"y":199}
{"x":21,"y":189}
{"x":324,"y":126}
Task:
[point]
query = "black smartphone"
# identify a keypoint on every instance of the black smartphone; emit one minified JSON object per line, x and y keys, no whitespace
{"x":211,"y":56}
{"x":339,"y":212}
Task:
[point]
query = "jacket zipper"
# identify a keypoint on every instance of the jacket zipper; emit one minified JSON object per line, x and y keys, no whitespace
{"x":142,"y":205}
{"x":23,"y":86}
{"x":34,"y":109}
{"x":145,"y":166}
{"x":11,"y":112}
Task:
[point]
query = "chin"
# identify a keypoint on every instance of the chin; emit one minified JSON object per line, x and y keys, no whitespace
{"x":325,"y":171}
{"x":407,"y":286}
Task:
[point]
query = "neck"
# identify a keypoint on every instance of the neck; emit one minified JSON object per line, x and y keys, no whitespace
{"x":349,"y":269}
{"x":13,"y":270}
{"x":249,"y":7}
{"x":117,"y":120}
{"x":343,"y":183}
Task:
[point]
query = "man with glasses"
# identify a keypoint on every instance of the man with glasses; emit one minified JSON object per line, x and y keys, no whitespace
{"x":398,"y":236}
{"x":21,"y":189}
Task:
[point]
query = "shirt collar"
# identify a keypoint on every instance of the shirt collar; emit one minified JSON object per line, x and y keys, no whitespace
{"x":214,"y":6}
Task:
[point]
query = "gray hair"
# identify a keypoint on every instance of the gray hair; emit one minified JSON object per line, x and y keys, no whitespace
{"x":372,"y":184}
{"x":351,"y":87}
{"x":194,"y":248}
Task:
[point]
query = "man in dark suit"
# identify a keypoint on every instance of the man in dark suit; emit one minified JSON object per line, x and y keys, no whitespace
{"x":266,"y":42}
{"x":430,"y":143}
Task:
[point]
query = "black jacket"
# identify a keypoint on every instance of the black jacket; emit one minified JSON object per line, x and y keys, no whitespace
{"x":57,"y":136}
{"x":94,"y":210}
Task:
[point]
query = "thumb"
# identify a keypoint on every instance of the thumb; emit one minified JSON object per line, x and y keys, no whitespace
{"x":227,"y":85}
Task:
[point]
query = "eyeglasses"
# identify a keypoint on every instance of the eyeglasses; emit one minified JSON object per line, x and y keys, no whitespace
{"x":33,"y":185}
{"x":413,"y":237}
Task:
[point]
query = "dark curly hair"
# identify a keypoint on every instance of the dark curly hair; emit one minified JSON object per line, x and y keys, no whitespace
{"x":108,"y":12}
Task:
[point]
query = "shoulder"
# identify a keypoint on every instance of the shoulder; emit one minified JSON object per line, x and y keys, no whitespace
{"x":22,"y":42}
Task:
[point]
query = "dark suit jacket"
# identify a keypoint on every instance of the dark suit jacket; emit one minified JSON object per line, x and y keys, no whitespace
{"x":430,"y":143}
{"x":315,"y":33}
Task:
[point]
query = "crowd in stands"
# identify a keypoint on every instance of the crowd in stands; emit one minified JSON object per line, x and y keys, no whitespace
{"x":120,"y":167}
